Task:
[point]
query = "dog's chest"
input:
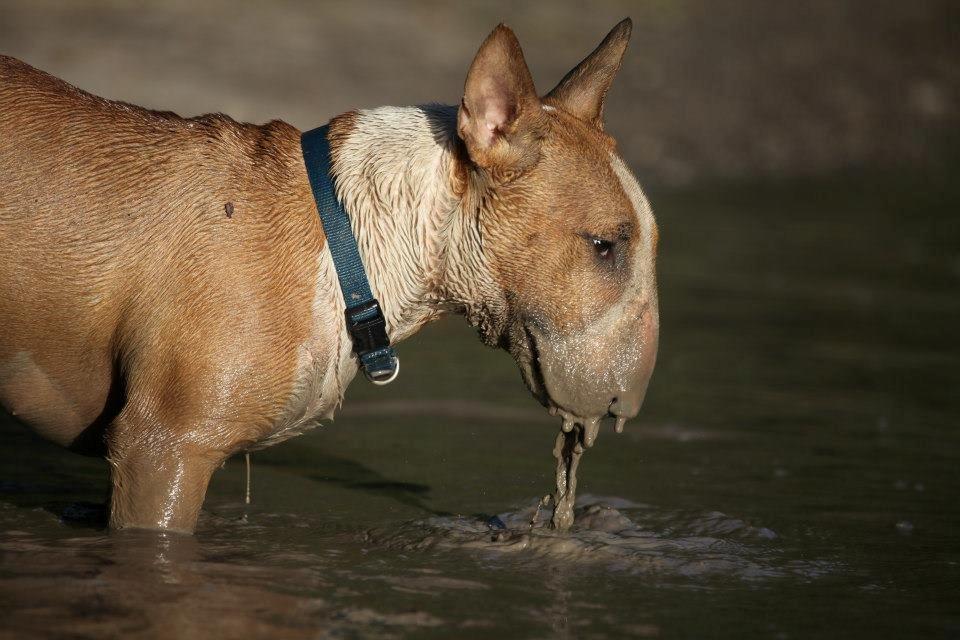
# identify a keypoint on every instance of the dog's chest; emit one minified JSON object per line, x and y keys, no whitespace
{"x":324,"y":363}
{"x":315,"y":396}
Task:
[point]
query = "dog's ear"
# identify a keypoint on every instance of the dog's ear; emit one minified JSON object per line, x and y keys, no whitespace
{"x":500,"y":115}
{"x":581,"y":91}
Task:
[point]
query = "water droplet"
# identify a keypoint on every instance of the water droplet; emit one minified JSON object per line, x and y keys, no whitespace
{"x":619,"y":426}
{"x":590,"y":430}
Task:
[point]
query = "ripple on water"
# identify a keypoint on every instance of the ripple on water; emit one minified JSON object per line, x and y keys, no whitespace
{"x":613,"y":533}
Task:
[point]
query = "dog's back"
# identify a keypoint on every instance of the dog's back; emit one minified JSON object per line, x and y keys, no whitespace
{"x":128,"y":239}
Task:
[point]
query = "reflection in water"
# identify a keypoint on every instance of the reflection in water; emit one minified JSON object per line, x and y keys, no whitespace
{"x":250,"y":575}
{"x":165,"y":584}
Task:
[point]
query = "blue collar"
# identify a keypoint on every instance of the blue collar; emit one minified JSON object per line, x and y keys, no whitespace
{"x":365,"y":320}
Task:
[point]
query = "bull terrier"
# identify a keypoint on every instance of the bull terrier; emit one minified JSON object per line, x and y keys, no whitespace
{"x":169,"y":297}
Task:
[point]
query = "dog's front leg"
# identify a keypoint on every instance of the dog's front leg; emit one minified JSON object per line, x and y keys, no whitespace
{"x":159,"y":474}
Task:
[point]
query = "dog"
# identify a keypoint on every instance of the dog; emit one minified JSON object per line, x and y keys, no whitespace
{"x":169,"y":298}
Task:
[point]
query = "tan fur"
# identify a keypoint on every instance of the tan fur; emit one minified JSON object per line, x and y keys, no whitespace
{"x":168,"y":299}
{"x":127,"y":271}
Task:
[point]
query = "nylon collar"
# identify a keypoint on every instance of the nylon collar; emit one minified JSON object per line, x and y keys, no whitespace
{"x":364,"y":316}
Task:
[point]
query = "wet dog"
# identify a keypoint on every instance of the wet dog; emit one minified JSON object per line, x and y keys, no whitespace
{"x":168,"y":299}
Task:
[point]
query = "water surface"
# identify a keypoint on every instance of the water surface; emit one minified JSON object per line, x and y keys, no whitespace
{"x":794,"y":473}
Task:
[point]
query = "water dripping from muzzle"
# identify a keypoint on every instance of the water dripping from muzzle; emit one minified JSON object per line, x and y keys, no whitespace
{"x":567,"y":450}
{"x":618,"y":427}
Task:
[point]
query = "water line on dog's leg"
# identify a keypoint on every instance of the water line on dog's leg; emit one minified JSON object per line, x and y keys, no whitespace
{"x":247,"y":456}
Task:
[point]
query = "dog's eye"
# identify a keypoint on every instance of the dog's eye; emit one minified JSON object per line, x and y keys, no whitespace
{"x":603,"y":248}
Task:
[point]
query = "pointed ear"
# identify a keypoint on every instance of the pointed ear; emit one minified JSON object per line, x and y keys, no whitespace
{"x":581,"y":91}
{"x":500,"y":113}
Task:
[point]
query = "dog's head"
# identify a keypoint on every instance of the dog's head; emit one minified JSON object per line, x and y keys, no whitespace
{"x":566,"y":232}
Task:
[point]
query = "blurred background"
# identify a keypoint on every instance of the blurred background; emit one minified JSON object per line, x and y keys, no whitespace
{"x":795,"y":470}
{"x":741,"y":89}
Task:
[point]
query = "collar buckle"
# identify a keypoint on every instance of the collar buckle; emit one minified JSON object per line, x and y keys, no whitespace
{"x":367,"y":327}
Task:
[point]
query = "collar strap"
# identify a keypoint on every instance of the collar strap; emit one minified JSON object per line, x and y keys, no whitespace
{"x":365,"y":321}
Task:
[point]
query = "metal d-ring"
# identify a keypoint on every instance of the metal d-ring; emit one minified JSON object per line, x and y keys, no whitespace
{"x":393,"y":376}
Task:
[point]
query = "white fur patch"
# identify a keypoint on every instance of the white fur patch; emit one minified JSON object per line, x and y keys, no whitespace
{"x":644,"y":214}
{"x":392,"y":176}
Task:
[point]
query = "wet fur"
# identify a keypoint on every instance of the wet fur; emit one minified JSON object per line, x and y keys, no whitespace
{"x":168,"y":300}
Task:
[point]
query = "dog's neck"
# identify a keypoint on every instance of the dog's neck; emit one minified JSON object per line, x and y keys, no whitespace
{"x":399,"y":174}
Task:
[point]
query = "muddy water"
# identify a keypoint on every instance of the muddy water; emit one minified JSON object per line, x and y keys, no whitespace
{"x":794,"y":474}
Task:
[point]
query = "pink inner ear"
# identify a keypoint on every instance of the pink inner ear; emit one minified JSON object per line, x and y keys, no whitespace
{"x":494,"y":111}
